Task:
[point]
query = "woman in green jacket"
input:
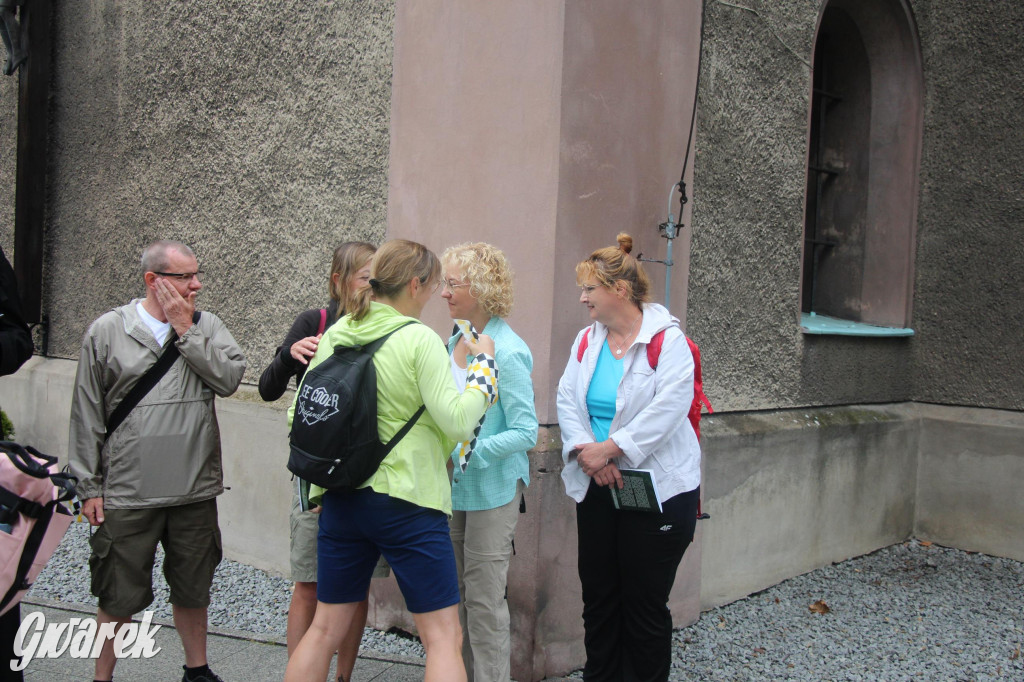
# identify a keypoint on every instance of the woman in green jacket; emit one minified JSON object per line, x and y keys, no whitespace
{"x":402,"y":510}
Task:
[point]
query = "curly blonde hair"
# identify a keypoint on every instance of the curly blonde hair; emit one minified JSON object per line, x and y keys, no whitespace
{"x":614,"y":264}
{"x":488,"y":273}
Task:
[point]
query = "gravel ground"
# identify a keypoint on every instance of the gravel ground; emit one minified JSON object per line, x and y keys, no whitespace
{"x":913,"y":611}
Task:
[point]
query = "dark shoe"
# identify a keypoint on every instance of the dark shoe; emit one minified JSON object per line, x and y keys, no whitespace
{"x":206,"y":676}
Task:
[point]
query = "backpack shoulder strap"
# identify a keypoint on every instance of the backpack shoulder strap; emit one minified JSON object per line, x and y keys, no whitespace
{"x":698,"y":379}
{"x":584,"y":342}
{"x":372,"y":348}
{"x":323,"y":321}
{"x":654,"y":349}
{"x":404,"y":430}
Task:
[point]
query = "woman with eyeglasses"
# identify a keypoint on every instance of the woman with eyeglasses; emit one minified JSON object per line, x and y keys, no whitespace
{"x":622,"y":405}
{"x":350,"y":271}
{"x":477,"y":286}
{"x":402,"y":510}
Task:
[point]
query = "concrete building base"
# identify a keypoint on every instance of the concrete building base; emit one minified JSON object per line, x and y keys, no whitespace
{"x":791,"y":491}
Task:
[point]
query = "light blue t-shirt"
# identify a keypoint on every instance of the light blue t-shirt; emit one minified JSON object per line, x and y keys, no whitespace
{"x":604,"y":384}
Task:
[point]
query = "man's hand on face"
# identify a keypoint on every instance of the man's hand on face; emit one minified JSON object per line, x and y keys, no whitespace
{"x":177,"y":309}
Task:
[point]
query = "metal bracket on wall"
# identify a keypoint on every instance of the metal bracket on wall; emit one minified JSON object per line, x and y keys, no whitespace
{"x":669,"y":230}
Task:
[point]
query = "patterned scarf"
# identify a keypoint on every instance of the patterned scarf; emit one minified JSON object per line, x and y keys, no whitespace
{"x":481,"y":375}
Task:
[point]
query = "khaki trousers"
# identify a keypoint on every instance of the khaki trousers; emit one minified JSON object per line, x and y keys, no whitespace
{"x":482,"y":541}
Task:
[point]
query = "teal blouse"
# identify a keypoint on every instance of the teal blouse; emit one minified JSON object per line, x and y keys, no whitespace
{"x":500,"y":460}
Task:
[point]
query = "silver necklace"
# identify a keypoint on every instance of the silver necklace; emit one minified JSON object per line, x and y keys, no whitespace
{"x":619,"y":350}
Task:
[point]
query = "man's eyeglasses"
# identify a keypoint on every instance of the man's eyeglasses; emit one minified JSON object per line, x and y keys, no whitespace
{"x":452,"y":285}
{"x":183,"y":277}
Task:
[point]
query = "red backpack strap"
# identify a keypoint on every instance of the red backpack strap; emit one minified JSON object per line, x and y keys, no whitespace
{"x":699,"y":399}
{"x":323,"y":322}
{"x":584,"y":342}
{"x":698,"y":380}
{"x":654,"y":349}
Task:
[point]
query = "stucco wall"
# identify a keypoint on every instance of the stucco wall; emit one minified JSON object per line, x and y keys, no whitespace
{"x":970,"y":259}
{"x":748,"y":202}
{"x":261,"y":136}
{"x":8,"y":156}
{"x":256,"y":132}
{"x":748,"y":218}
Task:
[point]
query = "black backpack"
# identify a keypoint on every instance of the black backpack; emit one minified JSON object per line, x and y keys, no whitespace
{"x":334,"y":438}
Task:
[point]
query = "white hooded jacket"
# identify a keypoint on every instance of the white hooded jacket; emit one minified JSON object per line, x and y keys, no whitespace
{"x":651,"y":406}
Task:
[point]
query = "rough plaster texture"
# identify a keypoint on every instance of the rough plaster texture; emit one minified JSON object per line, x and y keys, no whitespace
{"x":748,"y":218}
{"x":256,"y":132}
{"x":261,"y":134}
{"x":970,"y":256}
{"x":8,"y":159}
{"x":748,"y":201}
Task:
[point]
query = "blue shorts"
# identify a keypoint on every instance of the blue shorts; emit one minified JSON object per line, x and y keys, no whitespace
{"x":356,"y":527}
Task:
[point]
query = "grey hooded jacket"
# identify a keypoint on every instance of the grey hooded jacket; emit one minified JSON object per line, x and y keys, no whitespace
{"x":167,"y":451}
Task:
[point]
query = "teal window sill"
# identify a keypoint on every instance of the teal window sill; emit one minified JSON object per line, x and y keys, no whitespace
{"x":825,"y":325}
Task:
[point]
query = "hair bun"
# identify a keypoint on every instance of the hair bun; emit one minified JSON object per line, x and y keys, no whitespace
{"x":625,"y":242}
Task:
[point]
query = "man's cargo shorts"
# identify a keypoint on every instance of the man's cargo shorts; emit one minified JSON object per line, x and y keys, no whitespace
{"x":124,"y":550}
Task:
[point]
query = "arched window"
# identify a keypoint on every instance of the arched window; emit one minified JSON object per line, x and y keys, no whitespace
{"x":862,"y":172}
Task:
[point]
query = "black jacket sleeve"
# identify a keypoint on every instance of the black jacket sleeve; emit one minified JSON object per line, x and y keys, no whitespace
{"x":15,"y":339}
{"x":275,"y":378}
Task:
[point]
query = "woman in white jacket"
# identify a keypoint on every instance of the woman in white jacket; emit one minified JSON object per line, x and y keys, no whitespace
{"x":622,"y":405}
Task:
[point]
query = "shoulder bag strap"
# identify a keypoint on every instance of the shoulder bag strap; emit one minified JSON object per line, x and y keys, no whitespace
{"x":654,"y":349}
{"x":323,"y":321}
{"x":372,"y":348}
{"x":584,"y":342}
{"x":145,"y":383}
{"x":404,"y":430}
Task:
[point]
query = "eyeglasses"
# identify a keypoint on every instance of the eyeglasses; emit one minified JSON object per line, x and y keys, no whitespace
{"x":452,"y":285}
{"x":588,"y":289}
{"x":183,"y":277}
